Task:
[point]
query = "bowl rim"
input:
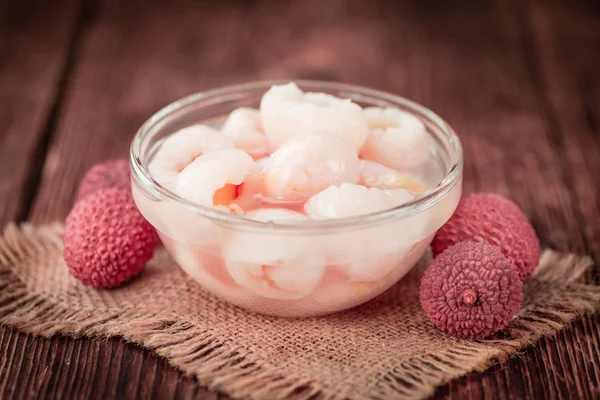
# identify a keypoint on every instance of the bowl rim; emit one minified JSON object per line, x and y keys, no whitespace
{"x":142,"y":176}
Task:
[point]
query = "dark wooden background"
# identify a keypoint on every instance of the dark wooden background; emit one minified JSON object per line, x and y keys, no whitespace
{"x":518,"y":79}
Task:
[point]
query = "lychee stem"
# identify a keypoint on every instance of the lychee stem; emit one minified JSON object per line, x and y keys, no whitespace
{"x":469,"y":297}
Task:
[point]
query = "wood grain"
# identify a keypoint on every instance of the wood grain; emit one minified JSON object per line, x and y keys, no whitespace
{"x":516,"y":80}
{"x":35,"y":43}
{"x":565,"y":41}
{"x":136,"y":58}
{"x":35,"y":40}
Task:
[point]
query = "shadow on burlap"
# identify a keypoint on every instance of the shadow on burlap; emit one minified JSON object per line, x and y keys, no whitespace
{"x":383,"y":349}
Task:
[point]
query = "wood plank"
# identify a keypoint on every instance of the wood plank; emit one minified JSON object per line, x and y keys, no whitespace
{"x":466,"y":60}
{"x":505,"y":106}
{"x":555,"y":367}
{"x":543,"y":371}
{"x":35,"y":43}
{"x":120,"y":78}
{"x":566,"y":39}
{"x":63,"y":367}
{"x":137,"y":58}
{"x":35,"y":39}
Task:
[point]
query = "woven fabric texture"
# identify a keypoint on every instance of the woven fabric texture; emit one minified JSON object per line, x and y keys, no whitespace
{"x":384,"y":349}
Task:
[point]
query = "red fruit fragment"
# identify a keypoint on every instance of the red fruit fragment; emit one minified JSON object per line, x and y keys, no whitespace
{"x":492,"y":219}
{"x":113,"y":173}
{"x":107,"y":241}
{"x":471,"y":290}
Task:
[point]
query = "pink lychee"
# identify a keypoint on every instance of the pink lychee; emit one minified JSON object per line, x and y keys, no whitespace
{"x":493,"y":219}
{"x":471,"y":290}
{"x":113,"y":173}
{"x":107,"y":241}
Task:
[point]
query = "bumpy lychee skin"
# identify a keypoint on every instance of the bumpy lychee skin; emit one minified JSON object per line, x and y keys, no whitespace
{"x":107,"y":241}
{"x":113,"y":173}
{"x":493,"y":219}
{"x":471,"y":290}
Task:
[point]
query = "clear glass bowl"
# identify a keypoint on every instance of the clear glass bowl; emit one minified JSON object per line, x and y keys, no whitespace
{"x":337,"y":264}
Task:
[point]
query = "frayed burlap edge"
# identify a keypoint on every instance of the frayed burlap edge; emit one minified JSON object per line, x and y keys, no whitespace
{"x":221,"y":366}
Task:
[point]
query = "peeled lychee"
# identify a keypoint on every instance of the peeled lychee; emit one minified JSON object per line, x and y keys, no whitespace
{"x":493,"y":219}
{"x":471,"y":290}
{"x":113,"y":173}
{"x":107,"y":241}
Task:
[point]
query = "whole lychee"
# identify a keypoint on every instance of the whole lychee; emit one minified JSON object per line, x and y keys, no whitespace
{"x":107,"y":241}
{"x":493,"y":219}
{"x":471,"y":290}
{"x":113,"y":173}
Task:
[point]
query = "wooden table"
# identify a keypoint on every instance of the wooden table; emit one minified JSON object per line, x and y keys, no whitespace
{"x":518,"y":79}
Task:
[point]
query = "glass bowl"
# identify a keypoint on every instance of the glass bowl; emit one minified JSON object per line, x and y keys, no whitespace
{"x":330,"y":265}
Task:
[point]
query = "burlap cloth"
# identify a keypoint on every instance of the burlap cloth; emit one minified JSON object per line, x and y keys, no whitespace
{"x":385,"y":349}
